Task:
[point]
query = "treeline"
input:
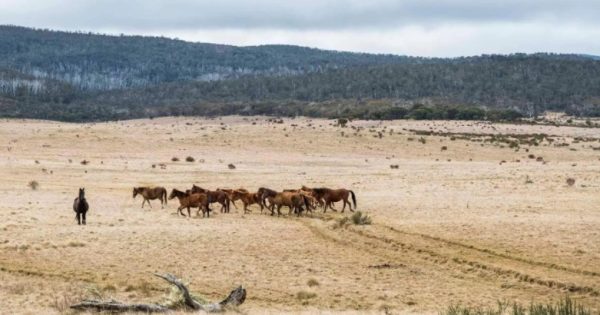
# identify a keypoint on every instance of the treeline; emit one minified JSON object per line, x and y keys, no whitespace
{"x":83,"y":77}
{"x":101,"y":62}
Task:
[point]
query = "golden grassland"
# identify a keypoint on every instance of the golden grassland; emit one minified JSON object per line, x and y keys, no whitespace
{"x":465,"y":218}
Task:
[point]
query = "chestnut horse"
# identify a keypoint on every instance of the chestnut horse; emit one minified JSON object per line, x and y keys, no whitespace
{"x":292,"y":200}
{"x":187,"y":200}
{"x":231,"y":195}
{"x":151,"y":193}
{"x":214,"y":196}
{"x":247,"y":199}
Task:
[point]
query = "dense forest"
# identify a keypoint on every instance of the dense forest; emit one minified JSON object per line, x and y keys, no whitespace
{"x":87,"y":77}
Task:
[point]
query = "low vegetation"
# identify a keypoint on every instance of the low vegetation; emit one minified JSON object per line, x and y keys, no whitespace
{"x":566,"y":306}
{"x":33,"y":185}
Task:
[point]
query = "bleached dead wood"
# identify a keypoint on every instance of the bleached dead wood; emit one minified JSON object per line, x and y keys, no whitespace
{"x":235,"y":298}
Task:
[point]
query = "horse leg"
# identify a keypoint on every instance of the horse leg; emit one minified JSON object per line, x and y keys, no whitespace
{"x":350,"y":205}
{"x":83,"y":216}
{"x":330,"y":205}
{"x":78,"y":218}
{"x":344,"y":207}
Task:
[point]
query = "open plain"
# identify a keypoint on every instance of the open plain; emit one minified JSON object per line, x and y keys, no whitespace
{"x":468,"y":216}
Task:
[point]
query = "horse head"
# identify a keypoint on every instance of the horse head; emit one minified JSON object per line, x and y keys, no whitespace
{"x":135,"y":191}
{"x":81,"y":193}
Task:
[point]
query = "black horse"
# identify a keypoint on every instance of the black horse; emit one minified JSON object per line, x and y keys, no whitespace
{"x":80,"y":206}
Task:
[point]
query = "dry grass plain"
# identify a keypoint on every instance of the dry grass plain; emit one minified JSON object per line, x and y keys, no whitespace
{"x":449,"y":226}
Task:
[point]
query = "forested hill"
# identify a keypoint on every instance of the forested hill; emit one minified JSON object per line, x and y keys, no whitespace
{"x":84,"y":76}
{"x":101,"y":62}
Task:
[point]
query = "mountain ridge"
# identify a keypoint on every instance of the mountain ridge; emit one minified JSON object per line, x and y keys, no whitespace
{"x":85,"y":76}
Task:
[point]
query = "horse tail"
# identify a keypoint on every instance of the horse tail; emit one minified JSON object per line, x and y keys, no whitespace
{"x":227,"y":201}
{"x":353,"y":198}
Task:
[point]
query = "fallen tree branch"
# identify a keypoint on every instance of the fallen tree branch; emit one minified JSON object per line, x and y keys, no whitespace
{"x":235,"y":298}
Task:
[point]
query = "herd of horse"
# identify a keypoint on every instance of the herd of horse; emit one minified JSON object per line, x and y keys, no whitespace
{"x":301,"y":200}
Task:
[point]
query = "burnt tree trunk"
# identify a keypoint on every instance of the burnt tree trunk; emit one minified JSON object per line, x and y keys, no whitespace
{"x":235,"y":298}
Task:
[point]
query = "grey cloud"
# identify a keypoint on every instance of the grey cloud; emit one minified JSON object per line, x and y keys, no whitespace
{"x":291,"y":15}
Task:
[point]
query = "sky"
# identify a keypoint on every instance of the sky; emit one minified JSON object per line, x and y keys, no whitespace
{"x":432,"y":28}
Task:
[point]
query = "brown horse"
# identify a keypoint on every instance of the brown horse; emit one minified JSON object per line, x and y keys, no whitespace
{"x":265,"y":193}
{"x":312,"y":201}
{"x":329,"y":196}
{"x":150,"y":193}
{"x":214,"y":196}
{"x":292,"y":200}
{"x":231,"y":195}
{"x":310,"y":192}
{"x":247,"y":199}
{"x":188,"y":201}
{"x":80,"y":206}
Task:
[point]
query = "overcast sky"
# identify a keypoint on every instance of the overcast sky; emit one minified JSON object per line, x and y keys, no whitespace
{"x":407,"y":27}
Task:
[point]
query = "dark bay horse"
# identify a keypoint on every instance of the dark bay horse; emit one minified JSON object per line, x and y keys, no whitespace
{"x":190,"y":200}
{"x":329,"y":196}
{"x":151,"y":193}
{"x":218,"y":196}
{"x":265,"y":193}
{"x":80,"y":206}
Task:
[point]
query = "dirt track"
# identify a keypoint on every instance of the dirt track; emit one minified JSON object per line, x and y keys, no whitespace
{"x":454,"y":225}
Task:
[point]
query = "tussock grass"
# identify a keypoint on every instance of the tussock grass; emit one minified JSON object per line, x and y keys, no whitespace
{"x":312,"y":283}
{"x":304,"y":295}
{"x":565,"y":306}
{"x":34,"y":185}
{"x":357,"y":218}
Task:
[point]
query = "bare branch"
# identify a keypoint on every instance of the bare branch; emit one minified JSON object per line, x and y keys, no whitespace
{"x":235,"y":298}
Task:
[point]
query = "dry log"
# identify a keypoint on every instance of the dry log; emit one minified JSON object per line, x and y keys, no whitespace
{"x":235,"y":298}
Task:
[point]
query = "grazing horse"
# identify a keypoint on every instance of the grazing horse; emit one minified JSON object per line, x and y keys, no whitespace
{"x":220,"y":197}
{"x":247,"y":199}
{"x":265,"y":193}
{"x":151,"y":193}
{"x":188,"y":200}
{"x":329,"y":196}
{"x":80,"y":206}
{"x":292,"y":200}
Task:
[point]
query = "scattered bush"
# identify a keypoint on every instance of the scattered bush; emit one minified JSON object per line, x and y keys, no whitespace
{"x":359,"y":219}
{"x":394,"y":166}
{"x":565,"y":306}
{"x":231,"y":166}
{"x":570,"y":181}
{"x":190,"y":159}
{"x":85,"y":162}
{"x":175,"y":159}
{"x":33,"y":185}
{"x":312,"y":283}
{"x":303,"y":295}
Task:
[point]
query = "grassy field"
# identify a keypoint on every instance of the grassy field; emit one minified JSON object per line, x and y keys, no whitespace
{"x":474,"y":213}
